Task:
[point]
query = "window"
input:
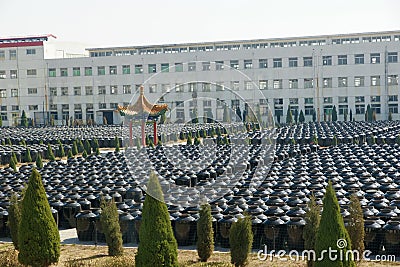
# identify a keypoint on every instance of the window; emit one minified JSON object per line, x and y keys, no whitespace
{"x":206,"y":87}
{"x":192,"y":66}
{"x":152,"y":68}
{"x":375,"y":58}
{"x":308,"y":100}
{"x":32,"y":91}
{"x":31,"y":51}
{"x":14,"y":107}
{"x":126,"y":89}
{"x":102,"y":90}
{"x":53,"y":91}
{"x":359,"y":59}
{"x":165,"y":88}
{"x":2,"y":55}
{"x":293,"y":101}
{"x":13,"y":74}
{"x":52,"y":72}
{"x":101,"y":70}
{"x":3,"y":74}
{"x":248,"y":64}
{"x":393,"y":80}
{"x":219,"y":65}
{"x":394,"y":108}
{"x":327,"y":100}
{"x":164,"y":67}
{"x":277,"y":62}
{"x":88,"y":71}
{"x":3,"y":93}
{"x":64,"y":72}
{"x":360,"y":99}
{"x":392,"y":57}
{"x":53,"y":106}
{"x":375,"y":98}
{"x":327,"y":60}
{"x":138,"y":69}
{"x":342,"y":99}
{"x":263,"y":63}
{"x":360,"y":108}
{"x":293,"y":62}
{"x":307,"y":61}
{"x":219,"y":86}
{"x":327,"y":82}
{"x":14,"y":92}
{"x":359,"y":81}
{"x":277,"y":84}
{"x":248,"y":85}
{"x":393,"y":98}
{"x":206,"y":65}
{"x":375,"y":80}
{"x":88,"y":90}
{"x":114,"y":105}
{"x":179,"y":87}
{"x":308,"y":110}
{"x":153,"y":88}
{"x":263,"y":84}
{"x":113,"y":70}
{"x":13,"y":54}
{"x":235,"y":85}
{"x":102,"y":105}
{"x":126,"y":69}
{"x":33,"y":107}
{"x":137,"y":87}
{"x":178,"y":67}
{"x":342,"y":60}
{"x":234,"y":64}
{"x":343,"y":109}
{"x":31,"y":72}
{"x":89,"y":106}
{"x":207,"y":103}
{"x":180,"y":113}
{"x":192,"y":87}
{"x":308,"y":83}
{"x":64,"y":91}
{"x":342,"y":82}
{"x":293,"y":83}
{"x":376,"y":108}
{"x":76,"y":71}
{"x":113,"y":89}
{"x":77,"y":90}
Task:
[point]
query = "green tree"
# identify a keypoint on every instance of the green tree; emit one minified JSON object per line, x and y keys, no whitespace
{"x":50,"y":154}
{"x":351,"y":115}
{"x":38,"y":236}
{"x":334,"y":114}
{"x":13,"y":164}
{"x":74,"y":148}
{"x":39,"y":163}
{"x":88,"y":147}
{"x":315,"y":139}
{"x":70,"y":155}
{"x":163,"y":118}
{"x":331,"y":231}
{"x":117,"y":148}
{"x":296,"y":116}
{"x":14,"y":218}
{"x":189,"y":140}
{"x":157,"y":246}
{"x":24,"y":120}
{"x":312,"y":219}
{"x":334,"y":141}
{"x":205,"y":233}
{"x":97,"y":151}
{"x":84,"y":154}
{"x":314,"y":116}
{"x":241,"y":240}
{"x":345,"y":115}
{"x":390,"y":117}
{"x":28,"y":157}
{"x":238,"y":113}
{"x":289,"y":116}
{"x":80,"y":145}
{"x":60,"y":151}
{"x":301,"y":117}
{"x":355,"y":225}
{"x":109,"y":220}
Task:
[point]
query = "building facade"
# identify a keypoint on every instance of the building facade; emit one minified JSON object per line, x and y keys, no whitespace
{"x":312,"y":74}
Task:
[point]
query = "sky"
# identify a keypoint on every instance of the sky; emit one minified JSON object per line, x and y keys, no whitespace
{"x":102,"y":23}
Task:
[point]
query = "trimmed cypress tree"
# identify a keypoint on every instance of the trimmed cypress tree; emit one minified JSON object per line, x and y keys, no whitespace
{"x":312,"y":219}
{"x":314,"y":116}
{"x":97,"y":151}
{"x":117,"y":149}
{"x":88,"y":147}
{"x":301,"y":117}
{"x":331,"y":229}
{"x":28,"y":157}
{"x":205,"y":233}
{"x":157,"y":246}
{"x":74,"y":148}
{"x":189,"y":140}
{"x":84,"y":154}
{"x":289,"y":116}
{"x":334,"y":114}
{"x":50,"y":154}
{"x":79,"y":145}
{"x":351,"y":115}
{"x":14,"y":218}
{"x":24,"y":120}
{"x":241,"y":240}
{"x":109,"y":220}
{"x":38,"y":236}
{"x":39,"y":163}
{"x":13,"y":164}
{"x":70,"y":155}
{"x":60,"y":151}
{"x":355,"y":226}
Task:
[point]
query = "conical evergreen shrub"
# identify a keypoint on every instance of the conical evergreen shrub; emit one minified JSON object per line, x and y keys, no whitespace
{"x":14,"y":218}
{"x":13,"y":164}
{"x":157,"y":246}
{"x":241,"y":241}
{"x":109,"y":220}
{"x":74,"y":148}
{"x":84,"y":154}
{"x":70,"y":155}
{"x":205,"y":233}
{"x":117,"y":148}
{"x":50,"y":154}
{"x":312,"y":218}
{"x":60,"y":151}
{"x":88,"y":147}
{"x":39,"y":163}
{"x":355,"y":225}
{"x":38,"y":236}
{"x":28,"y":157}
{"x":331,"y":230}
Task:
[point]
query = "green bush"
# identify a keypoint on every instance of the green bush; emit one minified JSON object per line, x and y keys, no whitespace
{"x":331,"y":229}
{"x":13,"y":164}
{"x":109,"y":220}
{"x":28,"y":157}
{"x":24,"y":120}
{"x":50,"y":154}
{"x":189,"y":140}
{"x":70,"y":155}
{"x":74,"y":148}
{"x":97,"y":151}
{"x":117,"y":148}
{"x":95,"y":144}
{"x":84,"y":154}
{"x":88,"y":147}
{"x":157,"y":246}
{"x":39,"y":163}
{"x":241,"y":240}
{"x":312,"y":218}
{"x":80,"y":145}
{"x":205,"y":233}
{"x":60,"y":151}
{"x":355,"y":226}
{"x":38,"y":236}
{"x":14,"y":218}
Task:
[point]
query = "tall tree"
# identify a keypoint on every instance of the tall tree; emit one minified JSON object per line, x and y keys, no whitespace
{"x":301,"y":117}
{"x":334,"y":114}
{"x":38,"y":236}
{"x":205,"y":233}
{"x":314,"y":116}
{"x":312,"y":219}
{"x":14,"y":218}
{"x":109,"y":220}
{"x":157,"y":246}
{"x":351,"y":115}
{"x":332,"y":234}
{"x":24,"y":119}
{"x":289,"y":117}
{"x":238,"y":113}
{"x":355,"y":225}
{"x":296,"y":116}
{"x":241,"y":241}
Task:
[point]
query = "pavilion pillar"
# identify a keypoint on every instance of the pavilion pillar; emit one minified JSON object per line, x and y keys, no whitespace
{"x":143,"y":130}
{"x":155,"y":136}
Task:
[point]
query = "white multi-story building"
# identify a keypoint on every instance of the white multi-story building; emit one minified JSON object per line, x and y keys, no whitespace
{"x":348,"y":71}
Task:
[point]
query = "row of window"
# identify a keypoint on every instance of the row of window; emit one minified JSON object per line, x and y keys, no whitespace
{"x":12,"y":53}
{"x":375,"y":58}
